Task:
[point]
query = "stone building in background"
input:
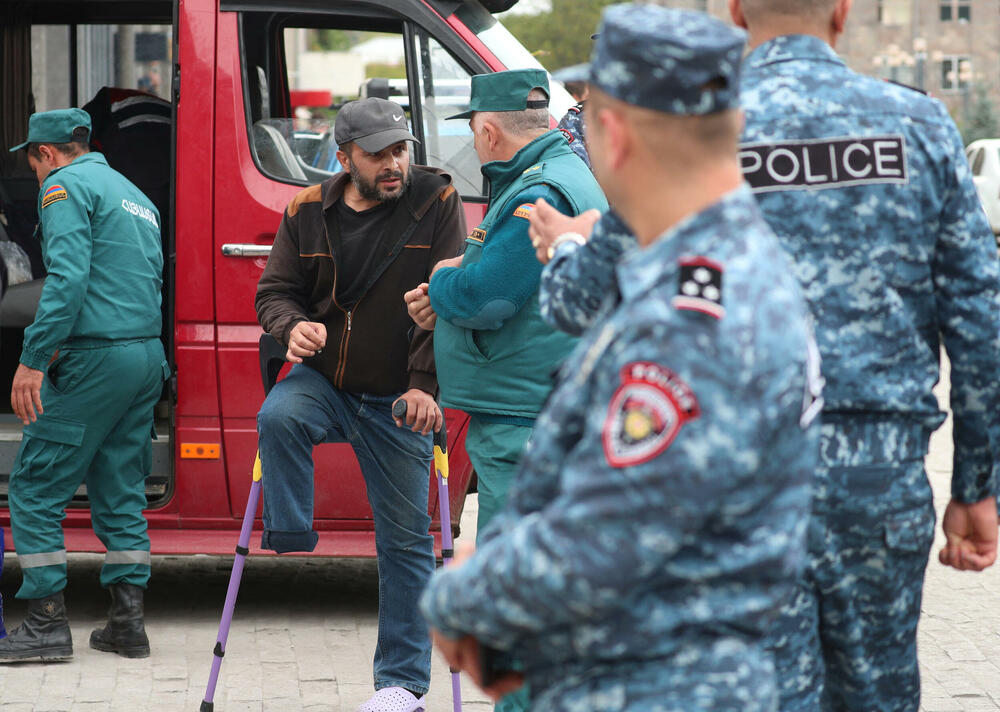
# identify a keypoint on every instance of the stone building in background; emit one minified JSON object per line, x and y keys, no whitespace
{"x":948,"y":48}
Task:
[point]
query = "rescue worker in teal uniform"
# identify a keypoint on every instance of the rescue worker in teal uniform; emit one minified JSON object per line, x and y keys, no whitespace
{"x":495,"y":355}
{"x":494,"y":352}
{"x":91,"y":370}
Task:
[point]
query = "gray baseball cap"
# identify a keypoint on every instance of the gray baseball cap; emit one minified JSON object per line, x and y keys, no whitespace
{"x":373,"y":124}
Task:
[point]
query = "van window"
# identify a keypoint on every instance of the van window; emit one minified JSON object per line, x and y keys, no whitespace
{"x":445,"y":89}
{"x":323,"y":62}
{"x":977,"y":162}
{"x":121,"y":56}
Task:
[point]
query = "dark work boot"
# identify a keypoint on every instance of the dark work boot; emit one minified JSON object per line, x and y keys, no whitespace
{"x":125,"y":632}
{"x":44,"y":635}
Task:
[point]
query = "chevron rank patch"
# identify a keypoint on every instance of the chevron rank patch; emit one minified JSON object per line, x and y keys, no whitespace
{"x":524,"y":210}
{"x":54,"y":195}
{"x":646,"y":413}
{"x":699,"y":286}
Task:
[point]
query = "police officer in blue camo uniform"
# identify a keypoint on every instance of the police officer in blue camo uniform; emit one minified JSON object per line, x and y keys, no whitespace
{"x":575,"y":80}
{"x":659,"y":515}
{"x":868,"y":189}
{"x":572,"y":125}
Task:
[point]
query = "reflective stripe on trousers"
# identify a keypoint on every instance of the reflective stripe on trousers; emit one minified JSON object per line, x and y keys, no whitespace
{"x":47,"y":558}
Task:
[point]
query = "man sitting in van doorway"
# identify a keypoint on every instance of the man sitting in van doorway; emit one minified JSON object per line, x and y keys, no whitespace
{"x":332,"y":292}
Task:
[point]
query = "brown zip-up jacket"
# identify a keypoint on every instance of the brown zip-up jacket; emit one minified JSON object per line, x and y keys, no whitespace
{"x":375,"y":347}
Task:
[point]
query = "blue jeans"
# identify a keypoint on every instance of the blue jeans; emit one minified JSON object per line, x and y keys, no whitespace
{"x":304,"y":410}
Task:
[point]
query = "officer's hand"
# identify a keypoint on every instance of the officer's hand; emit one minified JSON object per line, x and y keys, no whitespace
{"x":451,"y":262}
{"x":971,"y":531}
{"x":422,"y":412}
{"x":418,"y":304}
{"x":547,"y":223}
{"x":26,"y":394}
{"x":306,"y":339}
{"x":464,"y":654}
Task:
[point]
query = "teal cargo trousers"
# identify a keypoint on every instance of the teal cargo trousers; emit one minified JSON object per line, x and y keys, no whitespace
{"x":98,"y":397}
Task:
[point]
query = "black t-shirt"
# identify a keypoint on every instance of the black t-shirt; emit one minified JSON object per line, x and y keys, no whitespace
{"x":356,"y":237}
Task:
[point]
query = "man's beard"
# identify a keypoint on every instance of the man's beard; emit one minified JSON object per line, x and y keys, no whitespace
{"x":372,"y":191}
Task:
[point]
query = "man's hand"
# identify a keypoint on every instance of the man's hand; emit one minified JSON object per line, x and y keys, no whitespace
{"x":547,"y":223}
{"x":422,"y":412}
{"x":26,"y":394}
{"x":451,"y":262}
{"x":464,"y":654}
{"x":306,"y":339}
{"x":418,"y":304}
{"x":971,"y":530}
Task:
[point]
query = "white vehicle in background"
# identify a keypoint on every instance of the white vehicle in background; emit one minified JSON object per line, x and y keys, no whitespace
{"x":984,"y":157}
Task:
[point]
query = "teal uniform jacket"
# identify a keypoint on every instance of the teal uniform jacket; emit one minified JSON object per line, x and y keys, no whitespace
{"x":100,"y":310}
{"x":494,"y":353}
{"x":101,"y":247}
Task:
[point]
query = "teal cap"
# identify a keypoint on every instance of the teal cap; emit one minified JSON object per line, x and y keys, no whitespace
{"x":55,"y":126}
{"x":506,"y":91}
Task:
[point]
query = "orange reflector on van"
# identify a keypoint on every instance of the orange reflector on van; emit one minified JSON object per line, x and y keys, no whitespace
{"x":200,"y":451}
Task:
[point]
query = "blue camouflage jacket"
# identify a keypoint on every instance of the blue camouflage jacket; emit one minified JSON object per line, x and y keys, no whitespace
{"x":661,"y":503}
{"x":580,"y":279}
{"x":868,"y":189}
{"x":575,"y":130}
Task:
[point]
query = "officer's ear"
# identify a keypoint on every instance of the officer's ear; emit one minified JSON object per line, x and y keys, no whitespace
{"x":736,"y":12}
{"x":839,"y":20}
{"x":617,"y":133}
{"x":47,"y":153}
{"x":492,"y":134}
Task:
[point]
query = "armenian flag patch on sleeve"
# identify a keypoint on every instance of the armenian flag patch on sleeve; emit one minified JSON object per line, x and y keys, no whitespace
{"x":524,"y":210}
{"x":54,"y":195}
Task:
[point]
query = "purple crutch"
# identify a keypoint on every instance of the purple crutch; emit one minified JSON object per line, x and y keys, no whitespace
{"x":242,"y":550}
{"x":444,"y":504}
{"x":272,"y":357}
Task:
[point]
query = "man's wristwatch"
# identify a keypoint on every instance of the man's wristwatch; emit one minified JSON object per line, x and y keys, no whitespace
{"x":565,"y":237}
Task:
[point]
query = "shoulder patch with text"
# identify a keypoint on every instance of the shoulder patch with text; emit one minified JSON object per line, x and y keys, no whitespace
{"x":699,"y":286}
{"x":818,"y":164}
{"x":569,"y":137}
{"x":524,"y":210}
{"x":646,"y":413}
{"x":54,"y":195}
{"x":477,"y":235}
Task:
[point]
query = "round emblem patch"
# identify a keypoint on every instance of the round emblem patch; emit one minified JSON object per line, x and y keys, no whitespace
{"x":645,"y":414}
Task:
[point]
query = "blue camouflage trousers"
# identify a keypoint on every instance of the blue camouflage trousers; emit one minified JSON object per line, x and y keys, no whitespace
{"x":846,"y":637}
{"x":725,"y":675}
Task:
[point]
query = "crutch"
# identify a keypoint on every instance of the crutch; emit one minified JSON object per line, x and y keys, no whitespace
{"x":444,"y":504}
{"x":271,"y":359}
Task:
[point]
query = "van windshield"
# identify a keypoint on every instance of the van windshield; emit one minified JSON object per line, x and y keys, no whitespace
{"x":508,"y":50}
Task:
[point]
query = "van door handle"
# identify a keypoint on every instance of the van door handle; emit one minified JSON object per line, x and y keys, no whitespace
{"x":232,"y":249}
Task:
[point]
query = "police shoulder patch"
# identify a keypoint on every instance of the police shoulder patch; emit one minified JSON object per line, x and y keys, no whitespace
{"x":54,"y":194}
{"x":699,"y":286}
{"x":524,"y":210}
{"x":569,"y":136}
{"x":646,"y":413}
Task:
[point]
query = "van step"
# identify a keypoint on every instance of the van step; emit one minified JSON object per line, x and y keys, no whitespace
{"x":157,"y":483}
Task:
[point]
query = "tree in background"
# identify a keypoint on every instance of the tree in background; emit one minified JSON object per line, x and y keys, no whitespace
{"x":560,"y":37}
{"x":981,"y":120}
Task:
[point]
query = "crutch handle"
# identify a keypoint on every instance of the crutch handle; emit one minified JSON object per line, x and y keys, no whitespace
{"x":440,"y":436}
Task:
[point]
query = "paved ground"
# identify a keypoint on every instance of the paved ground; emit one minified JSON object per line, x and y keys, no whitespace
{"x":304,"y":633}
